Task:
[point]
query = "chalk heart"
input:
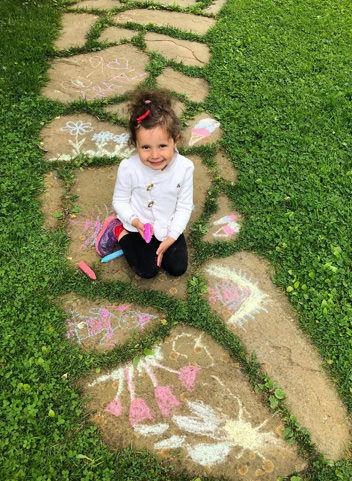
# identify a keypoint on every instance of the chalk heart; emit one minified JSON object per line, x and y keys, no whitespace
{"x":101,"y":325}
{"x":184,"y":395}
{"x":241,"y":293}
{"x":90,"y":76}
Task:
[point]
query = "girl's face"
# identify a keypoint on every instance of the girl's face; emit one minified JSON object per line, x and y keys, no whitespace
{"x":155,"y":147}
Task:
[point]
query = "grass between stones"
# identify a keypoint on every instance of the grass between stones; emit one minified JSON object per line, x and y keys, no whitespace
{"x":279,"y":77}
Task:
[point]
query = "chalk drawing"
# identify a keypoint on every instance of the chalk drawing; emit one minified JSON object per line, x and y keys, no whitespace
{"x":241,"y":297}
{"x":229,"y":224}
{"x":91,"y":226}
{"x":203,"y":129}
{"x":102,"y":322}
{"x":105,"y":77}
{"x":198,"y":345}
{"x":166,"y":401}
{"x":108,"y":144}
{"x":222,"y":433}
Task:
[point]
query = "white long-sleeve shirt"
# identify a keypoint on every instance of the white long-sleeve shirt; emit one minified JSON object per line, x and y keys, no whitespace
{"x":164,"y":198}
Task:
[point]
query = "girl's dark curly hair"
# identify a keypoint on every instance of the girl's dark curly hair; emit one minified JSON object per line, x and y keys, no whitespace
{"x":150,"y":108}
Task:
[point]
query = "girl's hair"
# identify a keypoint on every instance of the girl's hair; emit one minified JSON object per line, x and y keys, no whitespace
{"x":151,"y":108}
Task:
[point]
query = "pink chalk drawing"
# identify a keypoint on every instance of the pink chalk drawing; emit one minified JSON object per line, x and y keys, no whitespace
{"x":104,"y":323}
{"x":237,"y":294}
{"x":91,"y":226}
{"x":204,"y":128}
{"x":230,"y":227}
{"x":165,"y":400}
{"x":107,"y":143}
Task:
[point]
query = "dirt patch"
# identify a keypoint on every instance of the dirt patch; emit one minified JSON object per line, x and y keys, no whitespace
{"x":182,"y":21}
{"x":98,"y":4}
{"x":185,"y":51}
{"x":203,"y":130}
{"x":51,"y":199}
{"x":241,"y":293}
{"x":68,"y":136}
{"x":96,"y":75}
{"x":180,"y":3}
{"x":188,"y":399}
{"x":101,"y":325}
{"x":196,"y":89}
{"x":224,"y":224}
{"x":116,"y":34}
{"x":226,"y":168}
{"x":75,"y":27}
{"x":215,"y":7}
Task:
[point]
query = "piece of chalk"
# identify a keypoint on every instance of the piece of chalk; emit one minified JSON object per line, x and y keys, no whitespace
{"x":147,"y":233}
{"x":87,"y":270}
{"x":112,"y":256}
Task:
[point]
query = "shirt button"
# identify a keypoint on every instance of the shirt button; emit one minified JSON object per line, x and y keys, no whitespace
{"x":150,"y":203}
{"x":150,"y":186}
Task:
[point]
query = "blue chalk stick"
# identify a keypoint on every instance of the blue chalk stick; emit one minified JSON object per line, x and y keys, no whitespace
{"x":112,"y":256}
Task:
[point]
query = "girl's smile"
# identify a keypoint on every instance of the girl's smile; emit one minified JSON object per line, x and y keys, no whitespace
{"x":155,"y":148}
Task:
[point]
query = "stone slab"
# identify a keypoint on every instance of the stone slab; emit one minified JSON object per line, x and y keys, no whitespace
{"x":215,"y":7}
{"x":69,"y":136}
{"x":203,"y":130}
{"x":96,"y":75}
{"x":51,"y":199}
{"x":101,"y":325}
{"x":97,"y":4}
{"x":188,"y":399}
{"x":182,"y":51}
{"x":225,"y":224}
{"x":75,"y":27}
{"x":94,"y":189}
{"x":196,"y":89}
{"x":225,"y":167}
{"x":121,"y":109}
{"x":182,"y":21}
{"x":241,"y":293}
{"x":179,"y":3}
{"x":116,"y":34}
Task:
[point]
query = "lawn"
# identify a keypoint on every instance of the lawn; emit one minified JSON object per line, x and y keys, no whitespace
{"x":280,"y":86}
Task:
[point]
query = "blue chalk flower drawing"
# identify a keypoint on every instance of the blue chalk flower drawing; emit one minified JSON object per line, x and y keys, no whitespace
{"x":77,"y":128}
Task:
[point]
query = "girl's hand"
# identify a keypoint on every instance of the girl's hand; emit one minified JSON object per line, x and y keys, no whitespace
{"x":163,"y":248}
{"x":139,"y":226}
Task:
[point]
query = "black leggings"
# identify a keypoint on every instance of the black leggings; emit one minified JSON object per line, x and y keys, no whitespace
{"x":142,"y":256}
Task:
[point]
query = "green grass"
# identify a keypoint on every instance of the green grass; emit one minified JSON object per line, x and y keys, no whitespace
{"x":280,"y":86}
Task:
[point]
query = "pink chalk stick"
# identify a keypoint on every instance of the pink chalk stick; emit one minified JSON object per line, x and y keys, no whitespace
{"x":147,"y":233}
{"x":87,"y":270}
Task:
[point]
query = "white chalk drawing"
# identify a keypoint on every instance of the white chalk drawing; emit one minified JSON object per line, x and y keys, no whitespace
{"x":240,"y":296}
{"x":106,"y":78}
{"x":91,"y":225}
{"x":229,"y":226}
{"x":164,"y":397}
{"x":204,"y":128}
{"x":104,"y":322}
{"x":218,"y":432}
{"x":107,"y":143}
{"x":198,"y":346}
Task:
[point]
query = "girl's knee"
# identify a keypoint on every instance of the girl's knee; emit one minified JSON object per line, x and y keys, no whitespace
{"x":176,"y":271}
{"x":147,"y":274}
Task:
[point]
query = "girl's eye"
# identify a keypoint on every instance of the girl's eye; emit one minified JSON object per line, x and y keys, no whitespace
{"x":162,"y":146}
{"x":145,"y":147}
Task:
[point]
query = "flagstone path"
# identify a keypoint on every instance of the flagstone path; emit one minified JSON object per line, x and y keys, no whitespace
{"x":163,"y":402}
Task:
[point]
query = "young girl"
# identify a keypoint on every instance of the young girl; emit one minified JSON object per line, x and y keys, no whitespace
{"x":154,"y":186}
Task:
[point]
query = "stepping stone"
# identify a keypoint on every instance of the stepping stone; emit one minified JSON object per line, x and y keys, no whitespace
{"x":96,"y":75}
{"x":176,"y":287}
{"x":97,"y":4}
{"x":179,"y":3}
{"x":203,"y":130}
{"x":51,"y":199}
{"x":187,"y":398}
{"x":226,"y":168}
{"x":68,"y":136}
{"x":196,"y":89}
{"x":241,"y":293}
{"x":185,"y":51}
{"x":121,"y":109}
{"x":116,"y":34}
{"x":101,"y":325}
{"x":75,"y":27}
{"x":215,"y":7}
{"x":94,"y":189}
{"x":161,"y":18}
{"x":225,"y":224}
